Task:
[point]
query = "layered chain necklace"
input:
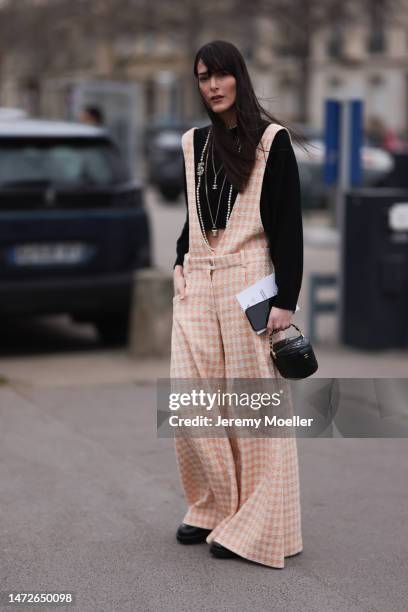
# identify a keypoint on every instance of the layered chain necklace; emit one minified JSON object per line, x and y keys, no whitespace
{"x":202,"y":169}
{"x":215,"y":186}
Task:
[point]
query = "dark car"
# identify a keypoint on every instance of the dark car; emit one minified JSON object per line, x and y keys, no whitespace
{"x":165,"y":156}
{"x":73,"y":227}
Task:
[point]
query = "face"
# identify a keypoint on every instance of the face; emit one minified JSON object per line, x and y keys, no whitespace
{"x":87,"y":118}
{"x":218,"y":90}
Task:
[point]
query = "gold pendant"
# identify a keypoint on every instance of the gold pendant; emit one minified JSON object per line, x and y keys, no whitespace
{"x":214,"y":232}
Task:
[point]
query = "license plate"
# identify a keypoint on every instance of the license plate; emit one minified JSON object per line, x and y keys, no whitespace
{"x":46,"y":254}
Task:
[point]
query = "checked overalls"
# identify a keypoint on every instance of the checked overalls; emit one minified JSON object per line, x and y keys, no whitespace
{"x":245,"y":489}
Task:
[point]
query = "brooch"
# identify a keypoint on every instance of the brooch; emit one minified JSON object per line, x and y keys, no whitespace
{"x":200,"y":168}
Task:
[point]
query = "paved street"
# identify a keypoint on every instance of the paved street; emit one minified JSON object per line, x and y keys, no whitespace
{"x":95,"y":97}
{"x":91,"y":497}
{"x":91,"y":500}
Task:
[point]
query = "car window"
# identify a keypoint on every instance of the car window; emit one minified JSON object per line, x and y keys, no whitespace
{"x":61,"y":162}
{"x":169,"y":140}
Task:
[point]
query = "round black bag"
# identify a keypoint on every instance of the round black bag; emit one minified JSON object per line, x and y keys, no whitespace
{"x":294,"y":357}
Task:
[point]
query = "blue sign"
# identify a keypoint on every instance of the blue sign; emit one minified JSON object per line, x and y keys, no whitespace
{"x":331,"y":141}
{"x":356,"y":138}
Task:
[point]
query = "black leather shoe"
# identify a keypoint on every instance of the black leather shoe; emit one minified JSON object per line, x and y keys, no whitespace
{"x":188,"y":534}
{"x":221,"y":552}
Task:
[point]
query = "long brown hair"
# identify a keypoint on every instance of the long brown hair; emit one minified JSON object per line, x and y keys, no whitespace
{"x":220,"y":55}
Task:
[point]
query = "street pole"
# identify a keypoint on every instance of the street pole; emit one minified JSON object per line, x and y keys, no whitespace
{"x":342,"y":170}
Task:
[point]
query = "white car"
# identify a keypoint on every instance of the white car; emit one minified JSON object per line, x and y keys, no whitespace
{"x":375,"y":162}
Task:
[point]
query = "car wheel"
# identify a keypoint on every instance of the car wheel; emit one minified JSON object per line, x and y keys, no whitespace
{"x":113,"y":330}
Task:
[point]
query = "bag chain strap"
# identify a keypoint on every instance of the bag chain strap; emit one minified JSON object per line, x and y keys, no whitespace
{"x":271,"y":334}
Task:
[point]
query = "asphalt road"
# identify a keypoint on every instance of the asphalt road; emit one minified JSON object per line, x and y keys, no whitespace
{"x":90,"y":497}
{"x":90,"y":501}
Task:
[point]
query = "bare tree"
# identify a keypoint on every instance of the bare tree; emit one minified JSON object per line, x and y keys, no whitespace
{"x":61,"y":36}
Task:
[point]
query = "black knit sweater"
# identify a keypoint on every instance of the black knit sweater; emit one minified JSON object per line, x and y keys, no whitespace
{"x":280,"y":208}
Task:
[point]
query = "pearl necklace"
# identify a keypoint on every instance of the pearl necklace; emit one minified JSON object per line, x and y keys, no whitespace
{"x":200,"y":172}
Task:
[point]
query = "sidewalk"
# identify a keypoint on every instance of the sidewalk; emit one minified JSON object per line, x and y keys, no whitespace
{"x":91,"y":501}
{"x":91,"y":498}
{"x":117,"y":367}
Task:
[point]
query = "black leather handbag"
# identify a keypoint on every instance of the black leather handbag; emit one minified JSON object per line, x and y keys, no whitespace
{"x":294,"y":357}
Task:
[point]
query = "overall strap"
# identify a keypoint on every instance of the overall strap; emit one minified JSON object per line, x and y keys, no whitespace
{"x":268,"y":138}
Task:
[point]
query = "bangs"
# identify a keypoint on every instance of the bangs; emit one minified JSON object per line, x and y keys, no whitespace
{"x":215,"y":61}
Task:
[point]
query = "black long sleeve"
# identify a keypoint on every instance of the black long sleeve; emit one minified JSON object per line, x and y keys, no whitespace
{"x":281,"y":214}
{"x":183,"y":240}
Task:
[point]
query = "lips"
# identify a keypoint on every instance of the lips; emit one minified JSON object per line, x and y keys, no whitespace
{"x":217,"y":98}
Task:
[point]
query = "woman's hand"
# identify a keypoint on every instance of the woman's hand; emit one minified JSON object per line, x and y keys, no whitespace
{"x":179,"y":282}
{"x":279,"y":319}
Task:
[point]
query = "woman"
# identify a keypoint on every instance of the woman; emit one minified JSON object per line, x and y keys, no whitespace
{"x":243,"y":222}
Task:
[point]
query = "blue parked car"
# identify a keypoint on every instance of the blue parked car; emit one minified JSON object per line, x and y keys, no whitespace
{"x":73,"y":227}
